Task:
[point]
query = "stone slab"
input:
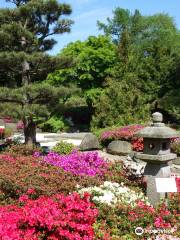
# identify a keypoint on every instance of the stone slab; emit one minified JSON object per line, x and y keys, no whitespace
{"x":119,"y":147}
{"x":155,"y":158}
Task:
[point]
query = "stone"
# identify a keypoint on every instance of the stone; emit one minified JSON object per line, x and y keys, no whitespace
{"x":134,"y":168}
{"x":2,"y":123}
{"x":176,"y":161}
{"x":157,"y":154}
{"x":119,"y":147}
{"x":89,"y":142}
{"x":153,"y":171}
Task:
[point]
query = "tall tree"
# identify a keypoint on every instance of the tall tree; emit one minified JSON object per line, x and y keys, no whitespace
{"x":90,"y":63}
{"x":148,"y":50}
{"x":25,"y":35}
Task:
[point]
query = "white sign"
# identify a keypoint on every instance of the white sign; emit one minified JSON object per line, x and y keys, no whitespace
{"x":165,"y":185}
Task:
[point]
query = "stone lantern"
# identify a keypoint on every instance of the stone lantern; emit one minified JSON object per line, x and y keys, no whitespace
{"x":157,"y":154}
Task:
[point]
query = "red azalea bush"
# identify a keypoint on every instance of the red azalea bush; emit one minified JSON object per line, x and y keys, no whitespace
{"x":124,"y":133}
{"x":137,"y":144}
{"x":122,"y":220}
{"x":59,"y":217}
{"x":21,"y":150}
{"x":17,"y":174}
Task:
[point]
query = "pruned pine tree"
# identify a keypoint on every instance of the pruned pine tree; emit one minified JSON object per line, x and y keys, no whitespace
{"x":26,"y":33}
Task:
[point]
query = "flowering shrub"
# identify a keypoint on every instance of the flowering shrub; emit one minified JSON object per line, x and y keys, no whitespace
{"x":20,"y":173}
{"x":122,"y":220}
{"x":59,"y":217}
{"x":21,"y":149}
{"x":124,"y":133}
{"x":2,"y":130}
{"x":7,"y":119}
{"x":20,"y":125}
{"x":7,"y":157}
{"x":175,"y":145}
{"x":112,"y":193}
{"x":78,"y":163}
{"x":137,"y":144}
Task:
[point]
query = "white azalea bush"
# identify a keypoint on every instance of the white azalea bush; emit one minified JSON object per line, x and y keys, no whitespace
{"x":112,"y":193}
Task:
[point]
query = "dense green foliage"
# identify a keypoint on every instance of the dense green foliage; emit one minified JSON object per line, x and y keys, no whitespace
{"x":146,"y":73}
{"x":127,"y":73}
{"x":124,"y":75}
{"x":54,"y":124}
{"x":91,"y":62}
{"x":25,"y":36}
{"x":63,"y":148}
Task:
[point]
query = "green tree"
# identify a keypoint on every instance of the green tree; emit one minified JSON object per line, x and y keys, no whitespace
{"x":148,"y":50}
{"x":25,"y":35}
{"x":90,"y":63}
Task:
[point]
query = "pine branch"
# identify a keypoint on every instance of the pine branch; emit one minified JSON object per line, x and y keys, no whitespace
{"x":7,"y":100}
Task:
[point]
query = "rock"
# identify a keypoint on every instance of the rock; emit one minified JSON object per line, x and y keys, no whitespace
{"x":109,"y":157}
{"x":134,"y":168}
{"x":89,"y":142}
{"x":119,"y":147}
{"x":176,"y":161}
{"x":2,"y":123}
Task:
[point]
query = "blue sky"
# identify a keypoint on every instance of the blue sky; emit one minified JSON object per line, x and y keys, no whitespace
{"x":87,"y":12}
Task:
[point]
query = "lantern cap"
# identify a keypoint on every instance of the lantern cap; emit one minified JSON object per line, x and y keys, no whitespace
{"x":157,"y":129}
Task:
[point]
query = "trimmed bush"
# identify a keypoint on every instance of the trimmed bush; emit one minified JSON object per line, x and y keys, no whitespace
{"x":63,"y":148}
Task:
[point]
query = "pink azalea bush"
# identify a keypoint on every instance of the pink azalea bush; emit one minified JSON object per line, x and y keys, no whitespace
{"x":78,"y":163}
{"x":59,"y":217}
{"x":20,"y":125}
{"x":124,"y":133}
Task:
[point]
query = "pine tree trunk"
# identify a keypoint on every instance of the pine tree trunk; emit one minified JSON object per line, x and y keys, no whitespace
{"x":29,"y":125}
{"x":25,"y":73}
{"x":30,"y":132}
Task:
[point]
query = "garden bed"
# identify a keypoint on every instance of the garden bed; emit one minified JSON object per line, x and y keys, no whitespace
{"x":77,"y":196}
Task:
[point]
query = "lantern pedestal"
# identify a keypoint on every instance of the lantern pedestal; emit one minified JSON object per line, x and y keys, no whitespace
{"x":157,"y":154}
{"x":153,"y":170}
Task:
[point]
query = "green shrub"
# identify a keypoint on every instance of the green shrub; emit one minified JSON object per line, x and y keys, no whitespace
{"x":54,"y":124}
{"x":8,"y":132}
{"x":63,"y":148}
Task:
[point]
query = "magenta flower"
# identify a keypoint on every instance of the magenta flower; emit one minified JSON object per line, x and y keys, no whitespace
{"x":78,"y":163}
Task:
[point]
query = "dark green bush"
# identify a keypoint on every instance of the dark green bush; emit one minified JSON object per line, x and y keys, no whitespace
{"x":54,"y":124}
